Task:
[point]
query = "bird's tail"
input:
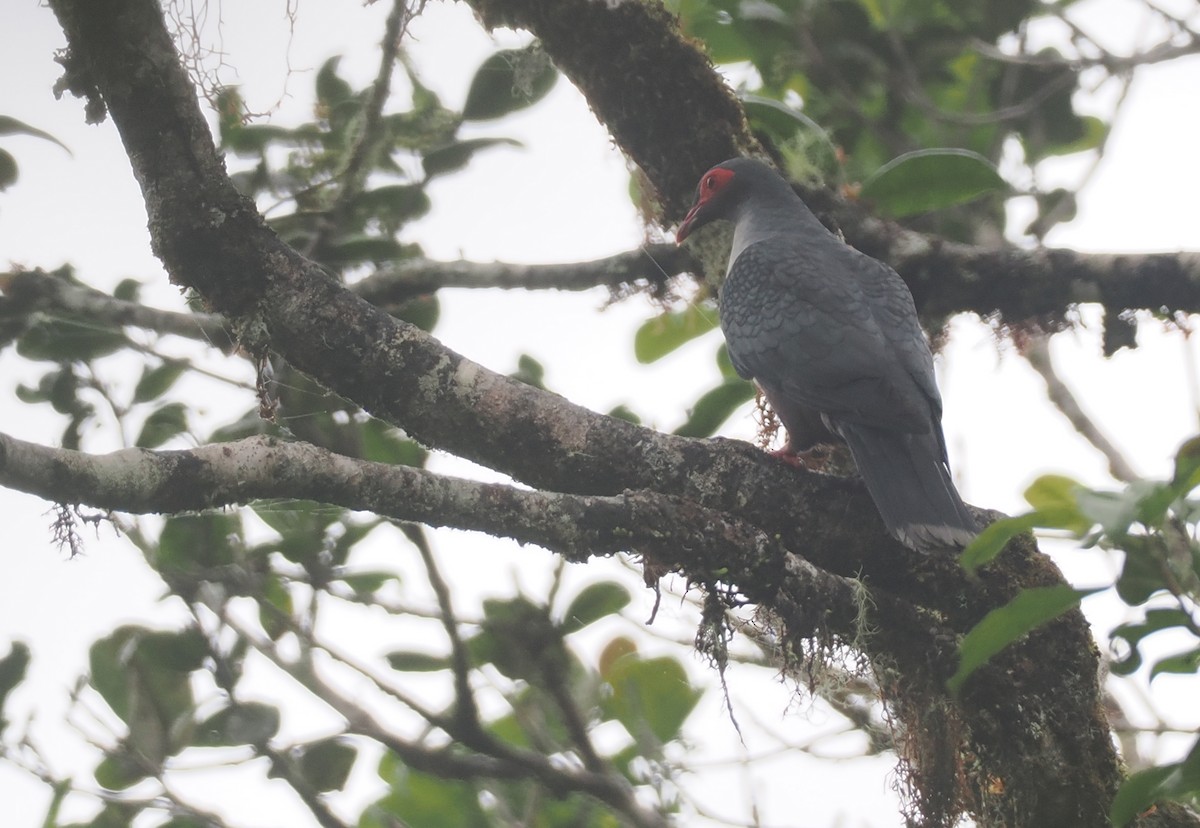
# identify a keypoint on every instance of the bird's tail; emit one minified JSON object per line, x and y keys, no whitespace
{"x":911,"y":486}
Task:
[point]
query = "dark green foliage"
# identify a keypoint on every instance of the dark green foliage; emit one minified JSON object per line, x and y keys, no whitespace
{"x":1153,"y":523}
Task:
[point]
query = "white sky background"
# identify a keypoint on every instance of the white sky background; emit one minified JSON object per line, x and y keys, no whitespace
{"x":562,"y":198}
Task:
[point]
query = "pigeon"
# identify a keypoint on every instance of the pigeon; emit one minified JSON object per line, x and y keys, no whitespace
{"x":831,"y":337}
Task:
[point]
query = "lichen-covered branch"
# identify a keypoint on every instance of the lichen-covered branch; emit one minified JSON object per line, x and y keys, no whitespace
{"x":652,"y":264}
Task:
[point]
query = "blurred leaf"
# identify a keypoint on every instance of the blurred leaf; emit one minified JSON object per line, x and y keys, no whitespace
{"x":1138,"y":793}
{"x":991,"y":541}
{"x":1177,"y":781}
{"x":931,"y":179}
{"x":247,"y":723}
{"x":275,"y":606}
{"x":1186,"y":663}
{"x":1187,"y":467}
{"x":594,"y":602}
{"x":418,"y":799}
{"x":127,"y":290}
{"x":190,"y":545}
{"x":507,"y":81}
{"x":1002,"y":626}
{"x":650,"y":697}
{"x":162,"y":425}
{"x":327,"y":763}
{"x":12,"y":126}
{"x":384,"y":443}
{"x":67,"y":341}
{"x":1142,"y":574}
{"x":530,"y":372}
{"x":1055,"y":499}
{"x":624,"y":412}
{"x":12,"y":672}
{"x":157,"y":381}
{"x":118,"y":771}
{"x":410,"y":662}
{"x":8,"y":170}
{"x":144,"y":677}
{"x":361,"y":247}
{"x":393,"y":204}
{"x":453,"y":157}
{"x":664,"y":333}
{"x":331,"y":89}
{"x":423,"y":311}
{"x":302,"y":526}
{"x":714,"y":408}
{"x":368,"y":583}
{"x":1132,"y":634}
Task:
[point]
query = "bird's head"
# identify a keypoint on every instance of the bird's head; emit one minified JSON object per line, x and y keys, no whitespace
{"x":724,"y":190}
{"x":716,"y":198}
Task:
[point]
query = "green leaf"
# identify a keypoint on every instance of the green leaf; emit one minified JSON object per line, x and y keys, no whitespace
{"x":1186,"y":664}
{"x":1179,"y":781}
{"x":327,"y":763}
{"x":12,"y":672}
{"x":144,"y":676}
{"x":714,"y":407}
{"x":530,"y":372}
{"x":624,"y":412}
{"x":157,"y":381}
{"x":331,"y":89}
{"x":1055,"y":499}
{"x":8,"y":170}
{"x":1137,"y":793}
{"x":651,"y":697}
{"x":453,"y":157}
{"x":406,"y":661}
{"x":12,"y":126}
{"x":1132,"y":634}
{"x":509,"y":80}
{"x":127,"y":290}
{"x":664,"y":333}
{"x":594,"y":602}
{"x":60,"y":340}
{"x":992,"y":540}
{"x":392,"y":205}
{"x":302,"y":526}
{"x":384,"y":443}
{"x":366,"y":584}
{"x":190,"y":545}
{"x":1142,"y":573}
{"x":1187,"y":467}
{"x":361,"y":247}
{"x":162,"y":425}
{"x":248,"y":723}
{"x":116,"y":772}
{"x":423,"y":311}
{"x":931,"y":179}
{"x":1002,"y":626}
{"x":419,"y":799}
{"x":1092,"y":132}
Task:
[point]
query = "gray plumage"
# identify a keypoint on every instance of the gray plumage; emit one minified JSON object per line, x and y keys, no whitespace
{"x":832,"y":338}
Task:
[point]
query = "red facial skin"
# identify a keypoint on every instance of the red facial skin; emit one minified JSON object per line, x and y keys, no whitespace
{"x":712,"y":183}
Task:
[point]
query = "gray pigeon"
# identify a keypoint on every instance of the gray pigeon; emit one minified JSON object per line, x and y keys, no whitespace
{"x":831,"y":337}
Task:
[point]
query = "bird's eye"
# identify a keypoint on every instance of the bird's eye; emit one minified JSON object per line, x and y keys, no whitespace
{"x":710,"y":182}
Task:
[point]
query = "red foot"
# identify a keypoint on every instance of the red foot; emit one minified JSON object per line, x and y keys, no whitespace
{"x":815,"y":458}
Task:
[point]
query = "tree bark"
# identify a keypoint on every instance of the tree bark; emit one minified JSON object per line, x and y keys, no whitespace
{"x":1026,"y":744}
